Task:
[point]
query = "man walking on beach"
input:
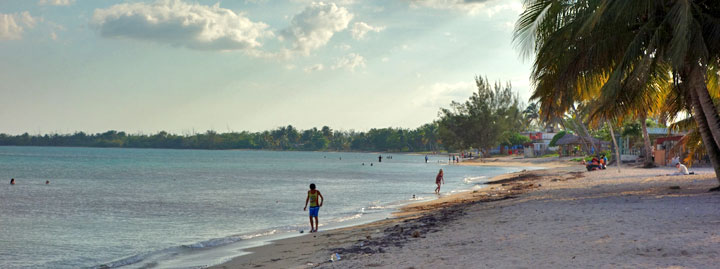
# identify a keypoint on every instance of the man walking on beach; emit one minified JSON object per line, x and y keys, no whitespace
{"x":315,"y":205}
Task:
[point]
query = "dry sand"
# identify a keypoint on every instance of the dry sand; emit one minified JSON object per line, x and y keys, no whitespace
{"x":561,"y":217}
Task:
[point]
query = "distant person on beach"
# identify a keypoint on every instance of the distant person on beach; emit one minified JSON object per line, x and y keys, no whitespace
{"x":379,"y":158}
{"x":605,"y":161}
{"x":439,"y":179}
{"x":315,"y":205}
{"x":12,"y":181}
{"x":593,"y":165}
{"x":426,"y":158}
{"x":682,"y":170}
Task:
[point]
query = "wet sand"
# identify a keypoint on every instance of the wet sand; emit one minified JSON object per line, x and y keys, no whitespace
{"x":558,"y":217}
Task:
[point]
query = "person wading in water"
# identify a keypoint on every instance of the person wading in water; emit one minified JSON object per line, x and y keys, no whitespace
{"x":438,"y":180}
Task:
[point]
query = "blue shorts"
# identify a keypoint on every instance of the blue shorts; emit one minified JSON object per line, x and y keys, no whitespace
{"x":314,"y":211}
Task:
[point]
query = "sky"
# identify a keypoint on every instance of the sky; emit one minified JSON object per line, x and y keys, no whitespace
{"x":188,"y":66}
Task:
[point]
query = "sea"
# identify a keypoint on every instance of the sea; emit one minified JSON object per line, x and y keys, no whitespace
{"x":162,"y":208}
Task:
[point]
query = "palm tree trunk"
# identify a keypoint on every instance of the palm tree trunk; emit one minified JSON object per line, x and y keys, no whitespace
{"x":712,"y":149}
{"x":590,"y":139}
{"x":698,"y":84}
{"x":648,"y":163}
{"x":585,"y":146}
{"x":586,"y":136}
{"x":617,"y":150}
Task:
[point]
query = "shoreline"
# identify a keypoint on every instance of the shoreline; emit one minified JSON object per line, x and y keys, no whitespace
{"x":303,"y":251}
{"x":561,"y":216}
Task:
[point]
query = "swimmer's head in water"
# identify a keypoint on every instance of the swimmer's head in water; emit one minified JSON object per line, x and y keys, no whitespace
{"x":312,"y":186}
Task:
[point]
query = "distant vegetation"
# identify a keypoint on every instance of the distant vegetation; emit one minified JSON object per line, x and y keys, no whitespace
{"x":492,"y":116}
{"x":424,"y":138}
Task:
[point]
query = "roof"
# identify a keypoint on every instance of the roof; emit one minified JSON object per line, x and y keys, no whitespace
{"x":571,"y":139}
{"x":660,"y":140}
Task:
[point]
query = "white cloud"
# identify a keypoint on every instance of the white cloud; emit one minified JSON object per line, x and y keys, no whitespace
{"x":442,"y":94}
{"x":315,"y":26}
{"x":56,"y":2}
{"x":178,"y":23}
{"x":313,"y":68}
{"x":515,"y":6}
{"x":349,"y":62}
{"x":55,"y":28}
{"x":491,"y":7}
{"x":360,"y":29}
{"x":11,"y":25}
{"x":28,"y":20}
{"x":339,"y":2}
{"x":9,"y":28}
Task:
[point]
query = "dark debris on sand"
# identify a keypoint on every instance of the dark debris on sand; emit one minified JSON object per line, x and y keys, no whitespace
{"x":399,"y":234}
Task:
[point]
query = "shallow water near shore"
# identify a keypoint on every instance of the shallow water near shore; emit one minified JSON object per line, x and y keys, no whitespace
{"x":163,"y":208}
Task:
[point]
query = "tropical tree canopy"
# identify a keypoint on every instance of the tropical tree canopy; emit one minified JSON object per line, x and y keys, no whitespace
{"x":626,"y":56}
{"x":481,"y":121}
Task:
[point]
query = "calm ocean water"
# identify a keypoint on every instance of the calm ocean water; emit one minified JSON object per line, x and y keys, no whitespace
{"x":152,"y":207}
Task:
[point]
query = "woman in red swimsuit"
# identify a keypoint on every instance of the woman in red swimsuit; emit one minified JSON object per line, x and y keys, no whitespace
{"x":438,"y":180}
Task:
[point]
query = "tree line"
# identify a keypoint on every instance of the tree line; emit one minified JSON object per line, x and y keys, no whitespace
{"x":493,"y":116}
{"x":423,"y":138}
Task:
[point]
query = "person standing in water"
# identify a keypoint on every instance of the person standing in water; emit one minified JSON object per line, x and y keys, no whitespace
{"x":438,"y":180}
{"x":379,"y":158}
{"x":426,"y":158}
{"x":315,"y":205}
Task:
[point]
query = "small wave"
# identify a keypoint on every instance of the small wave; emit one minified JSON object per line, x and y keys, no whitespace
{"x":422,"y":198}
{"x":342,"y":219}
{"x":271,"y":232}
{"x":214,"y":242}
{"x":473,"y":180}
{"x":458,"y":191}
{"x":131,"y":260}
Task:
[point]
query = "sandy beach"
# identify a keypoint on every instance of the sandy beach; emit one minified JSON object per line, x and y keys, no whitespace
{"x":558,"y":217}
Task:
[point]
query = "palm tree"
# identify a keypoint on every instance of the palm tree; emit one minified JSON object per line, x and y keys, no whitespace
{"x":614,"y":50}
{"x":532,"y":113}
